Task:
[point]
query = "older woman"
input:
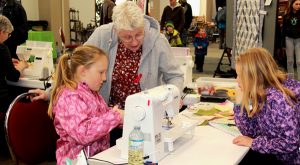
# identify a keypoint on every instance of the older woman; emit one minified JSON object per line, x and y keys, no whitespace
{"x":139,"y":55}
{"x":8,"y":71}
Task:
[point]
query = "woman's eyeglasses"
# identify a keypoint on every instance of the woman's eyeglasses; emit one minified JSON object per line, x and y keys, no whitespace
{"x":129,"y":38}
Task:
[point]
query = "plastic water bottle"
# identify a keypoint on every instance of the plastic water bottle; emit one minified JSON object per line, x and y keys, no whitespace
{"x":136,"y":147}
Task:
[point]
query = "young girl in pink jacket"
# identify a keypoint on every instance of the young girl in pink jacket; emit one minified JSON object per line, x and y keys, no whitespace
{"x":81,"y":117}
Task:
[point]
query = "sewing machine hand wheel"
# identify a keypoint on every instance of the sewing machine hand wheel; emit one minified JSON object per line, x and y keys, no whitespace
{"x":139,"y":113}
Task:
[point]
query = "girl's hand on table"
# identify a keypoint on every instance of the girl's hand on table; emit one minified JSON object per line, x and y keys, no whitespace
{"x":243,"y":141}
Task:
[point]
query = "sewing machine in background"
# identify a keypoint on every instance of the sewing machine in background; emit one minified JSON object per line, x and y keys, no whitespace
{"x":157,"y":112}
{"x":184,"y":59}
{"x":39,"y":56}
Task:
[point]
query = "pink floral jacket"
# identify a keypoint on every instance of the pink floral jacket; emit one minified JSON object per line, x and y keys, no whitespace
{"x":83,"y":121}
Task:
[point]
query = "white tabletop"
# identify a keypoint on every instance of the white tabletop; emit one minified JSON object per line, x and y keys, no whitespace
{"x":208,"y":146}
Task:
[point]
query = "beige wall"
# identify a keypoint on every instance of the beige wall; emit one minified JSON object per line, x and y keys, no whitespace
{"x":31,"y":7}
{"x":155,"y":9}
{"x":86,"y":10}
{"x":210,"y":10}
{"x":46,"y":12}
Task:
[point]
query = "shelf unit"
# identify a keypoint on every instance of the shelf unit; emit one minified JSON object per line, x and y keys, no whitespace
{"x":75,"y":26}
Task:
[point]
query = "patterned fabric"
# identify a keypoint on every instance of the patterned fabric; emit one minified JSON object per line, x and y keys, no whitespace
{"x":276,"y":128}
{"x":125,"y":79}
{"x":248,"y":25}
{"x":83,"y":121}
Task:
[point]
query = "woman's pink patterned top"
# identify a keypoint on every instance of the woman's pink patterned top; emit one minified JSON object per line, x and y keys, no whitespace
{"x":83,"y":121}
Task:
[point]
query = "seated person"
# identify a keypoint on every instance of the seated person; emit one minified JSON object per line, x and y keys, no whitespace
{"x":10,"y":69}
{"x":267,"y":110}
{"x":81,"y":117}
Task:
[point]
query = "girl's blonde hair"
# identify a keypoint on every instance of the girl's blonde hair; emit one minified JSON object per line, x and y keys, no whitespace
{"x":66,"y":69}
{"x":259,"y":71}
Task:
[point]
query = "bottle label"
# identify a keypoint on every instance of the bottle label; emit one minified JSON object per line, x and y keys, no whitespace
{"x":136,"y":143}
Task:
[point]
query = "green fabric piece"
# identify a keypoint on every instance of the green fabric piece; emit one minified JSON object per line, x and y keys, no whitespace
{"x":205,"y":122}
{"x":209,"y":112}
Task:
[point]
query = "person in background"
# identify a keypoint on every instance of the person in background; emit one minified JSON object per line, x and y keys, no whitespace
{"x":175,"y":13}
{"x":291,"y":33}
{"x":188,"y":13}
{"x":267,"y":110}
{"x":201,"y":43}
{"x":9,"y":71}
{"x":221,"y":25}
{"x":106,"y":11}
{"x":15,"y":12}
{"x":172,"y":35}
{"x":81,"y":117}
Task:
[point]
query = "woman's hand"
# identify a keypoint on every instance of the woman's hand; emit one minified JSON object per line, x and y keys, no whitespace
{"x":15,"y":61}
{"x":243,"y":141}
{"x":38,"y":94}
{"x":21,"y":65}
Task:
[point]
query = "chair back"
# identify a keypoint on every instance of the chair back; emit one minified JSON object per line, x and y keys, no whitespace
{"x":30,"y":132}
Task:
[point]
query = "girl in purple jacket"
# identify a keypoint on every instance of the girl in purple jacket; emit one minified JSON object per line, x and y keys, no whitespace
{"x":82,"y":119}
{"x":268,"y":111}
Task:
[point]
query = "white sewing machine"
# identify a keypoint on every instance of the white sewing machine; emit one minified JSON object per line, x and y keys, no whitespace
{"x":184,"y":59}
{"x":39,"y":55}
{"x":149,"y":109}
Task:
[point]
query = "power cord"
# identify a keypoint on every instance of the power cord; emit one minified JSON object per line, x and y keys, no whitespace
{"x":100,"y":160}
{"x":46,"y":81}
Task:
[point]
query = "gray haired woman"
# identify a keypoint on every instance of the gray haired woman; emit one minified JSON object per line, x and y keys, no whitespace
{"x":9,"y":70}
